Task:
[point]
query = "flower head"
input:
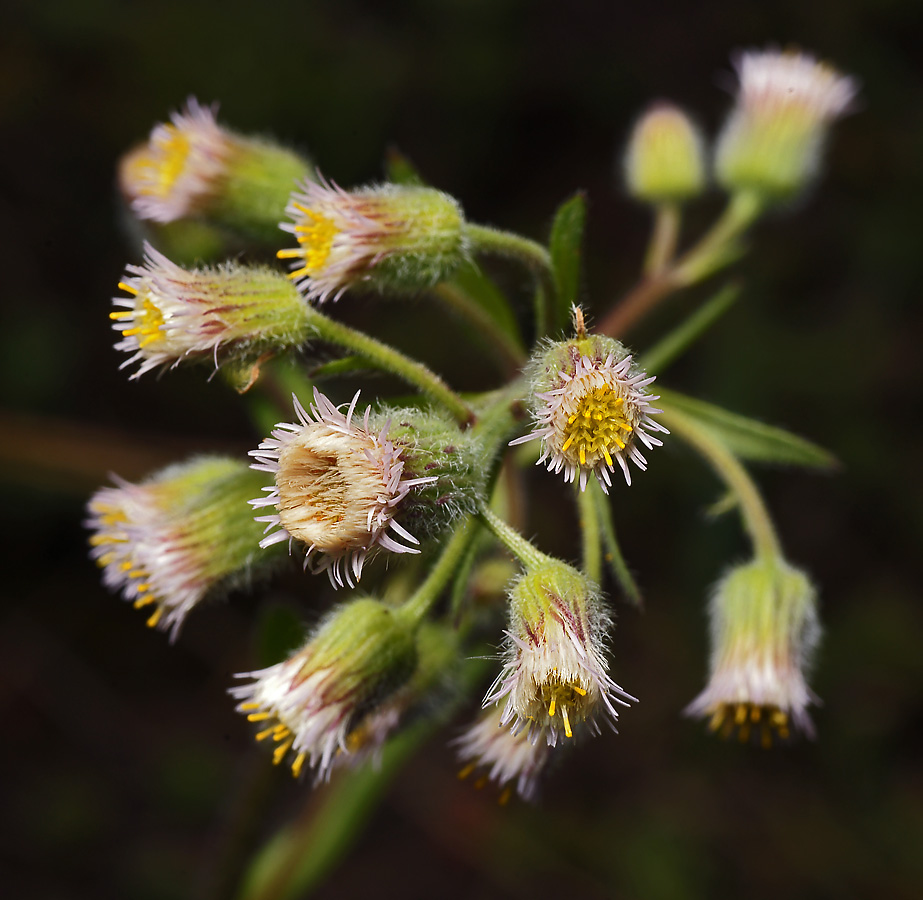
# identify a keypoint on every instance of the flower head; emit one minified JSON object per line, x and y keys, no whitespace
{"x":176,"y":537}
{"x":232,"y":312}
{"x":390,"y":237}
{"x":555,"y":678}
{"x":774,"y":136}
{"x":338,"y":487}
{"x":311,"y":703}
{"x":764,"y":630}
{"x":192,"y":167}
{"x":591,"y":410}
{"x":505,"y":757}
{"x":665,"y":159}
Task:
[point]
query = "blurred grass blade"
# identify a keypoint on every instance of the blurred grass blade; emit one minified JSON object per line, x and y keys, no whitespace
{"x":612,"y":553}
{"x":747,"y":438}
{"x":678,"y":341}
{"x":566,"y":255}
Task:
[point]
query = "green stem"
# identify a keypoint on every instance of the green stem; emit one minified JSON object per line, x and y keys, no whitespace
{"x":752,"y":508}
{"x":716,"y":249}
{"x":416,"y":608}
{"x":590,"y":527}
{"x":391,"y":360}
{"x":529,"y":555}
{"x":663,"y":239}
{"x":483,"y":239}
{"x":507,"y":351}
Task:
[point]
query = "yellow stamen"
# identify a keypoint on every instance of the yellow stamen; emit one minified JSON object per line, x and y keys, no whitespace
{"x":551,"y":707}
{"x":122,"y":314}
{"x":567,"y":730}
{"x":262,"y":735}
{"x":129,"y":289}
{"x":155,"y":617}
{"x":280,"y":751}
{"x":144,"y":601}
{"x":259,"y":716}
{"x":298,"y":764}
{"x":245,"y":706}
{"x":505,"y":795}
{"x":579,"y":690}
{"x":466,"y":771}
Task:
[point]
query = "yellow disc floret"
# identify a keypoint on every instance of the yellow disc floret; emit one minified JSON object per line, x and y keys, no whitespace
{"x":315,"y":234}
{"x":750,"y":718}
{"x":597,"y":428}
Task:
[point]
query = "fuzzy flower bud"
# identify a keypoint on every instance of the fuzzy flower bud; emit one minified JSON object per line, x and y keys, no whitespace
{"x":192,"y":167}
{"x":310,"y":703}
{"x":590,"y":409}
{"x":665,"y":159}
{"x":216,"y":314}
{"x":555,"y":677}
{"x":341,"y":485}
{"x":505,"y":757}
{"x":184,"y":533}
{"x":774,"y":136}
{"x":764,"y":630}
{"x":387,"y":238}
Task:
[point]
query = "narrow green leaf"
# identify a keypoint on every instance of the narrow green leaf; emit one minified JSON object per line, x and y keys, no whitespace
{"x":612,"y":553}
{"x":399,"y":169}
{"x":747,"y":438}
{"x":690,"y":330}
{"x":342,"y":366}
{"x":566,"y":253}
{"x":471,"y":281}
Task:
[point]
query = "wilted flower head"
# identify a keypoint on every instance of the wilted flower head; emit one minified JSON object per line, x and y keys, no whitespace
{"x":389,"y":237}
{"x":555,"y":675}
{"x":176,"y":537}
{"x":231,"y":312}
{"x":665,"y":158}
{"x":505,"y":757}
{"x":311,"y":703}
{"x":591,"y":410}
{"x":764,"y":630}
{"x":193,"y":167}
{"x":773,"y":139}
{"x":338,"y":487}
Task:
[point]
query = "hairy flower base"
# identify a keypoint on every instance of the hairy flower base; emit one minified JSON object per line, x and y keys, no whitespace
{"x":594,"y":417}
{"x":502,"y":756}
{"x":338,"y":487}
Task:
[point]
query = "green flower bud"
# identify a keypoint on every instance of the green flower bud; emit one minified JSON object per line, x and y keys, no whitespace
{"x":389,"y":238}
{"x":230,"y":313}
{"x":182,"y":534}
{"x":665,"y":160}
{"x":192,"y":167}
{"x":773,"y":138}
{"x":764,"y":630}
{"x":360,"y":654}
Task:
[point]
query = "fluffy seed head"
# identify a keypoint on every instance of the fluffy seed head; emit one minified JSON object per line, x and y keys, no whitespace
{"x":555,"y":678}
{"x":176,"y":537}
{"x":773,"y":139}
{"x":387,"y":238}
{"x":310,"y":705}
{"x":338,"y":486}
{"x":591,"y":410}
{"x":665,"y":158}
{"x":764,"y":630}
{"x":231,"y":312}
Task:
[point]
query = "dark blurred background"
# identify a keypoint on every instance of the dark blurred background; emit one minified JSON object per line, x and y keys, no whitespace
{"x":127,"y":772}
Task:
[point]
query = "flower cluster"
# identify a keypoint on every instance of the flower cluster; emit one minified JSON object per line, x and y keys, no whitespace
{"x":419,"y":481}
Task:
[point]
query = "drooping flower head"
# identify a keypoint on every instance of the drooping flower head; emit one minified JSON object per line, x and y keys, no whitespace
{"x":180,"y":535}
{"x":505,"y":757}
{"x":555,"y":678}
{"x":341,"y":483}
{"x":591,"y":410}
{"x":311,"y":703}
{"x":773,"y":138}
{"x":392,"y":237}
{"x":665,"y":158}
{"x":214,"y":314}
{"x":764,"y":630}
{"x":192,"y":167}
